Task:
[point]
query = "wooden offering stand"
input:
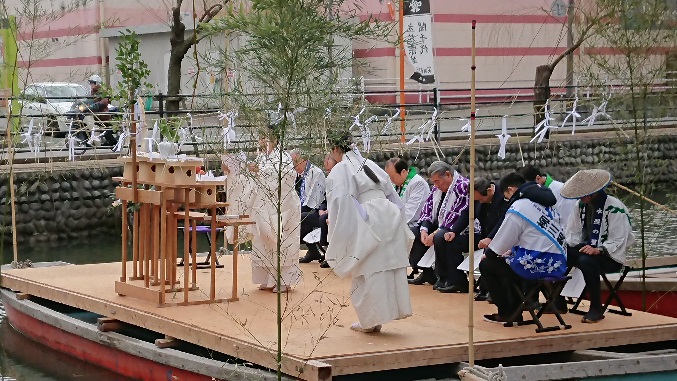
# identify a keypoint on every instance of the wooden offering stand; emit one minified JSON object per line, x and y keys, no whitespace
{"x":163,"y":187}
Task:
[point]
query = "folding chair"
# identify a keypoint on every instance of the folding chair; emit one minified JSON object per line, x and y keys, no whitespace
{"x":551,"y":288}
{"x":613,"y":295}
{"x":207,"y":230}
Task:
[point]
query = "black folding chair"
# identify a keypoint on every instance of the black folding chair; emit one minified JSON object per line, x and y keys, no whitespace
{"x":551,"y":288}
{"x":613,"y":295}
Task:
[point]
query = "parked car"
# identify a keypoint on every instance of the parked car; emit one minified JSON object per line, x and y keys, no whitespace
{"x":47,"y":102}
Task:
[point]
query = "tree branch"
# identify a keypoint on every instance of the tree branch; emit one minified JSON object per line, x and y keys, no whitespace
{"x":584,"y":36}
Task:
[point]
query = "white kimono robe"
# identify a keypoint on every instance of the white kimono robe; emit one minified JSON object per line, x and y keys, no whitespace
{"x":616,"y":231}
{"x":369,"y":240}
{"x":261,"y":199}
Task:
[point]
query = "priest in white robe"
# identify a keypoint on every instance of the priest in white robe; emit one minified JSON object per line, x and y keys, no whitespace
{"x":369,"y":239}
{"x":260,"y":180}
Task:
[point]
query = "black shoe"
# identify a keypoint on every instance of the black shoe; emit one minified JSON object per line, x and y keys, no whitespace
{"x":324,"y":264}
{"x":311,"y":255}
{"x":413,"y":274}
{"x":418,"y":280}
{"x":489,"y":299}
{"x":440,"y":284}
{"x":482,"y":296}
{"x":454,"y":288}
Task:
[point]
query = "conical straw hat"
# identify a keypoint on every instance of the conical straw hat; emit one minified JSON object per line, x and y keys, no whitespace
{"x":585,"y":183}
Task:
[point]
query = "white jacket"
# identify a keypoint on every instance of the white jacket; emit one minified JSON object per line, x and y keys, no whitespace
{"x":616,"y":231}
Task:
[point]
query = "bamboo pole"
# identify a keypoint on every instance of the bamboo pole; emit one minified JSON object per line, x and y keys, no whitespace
{"x":135,"y":191}
{"x":12,"y":197}
{"x":632,"y":192}
{"x":471,"y":208}
{"x":403,"y":127}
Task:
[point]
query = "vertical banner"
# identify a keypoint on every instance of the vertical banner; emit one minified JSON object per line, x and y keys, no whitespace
{"x":418,"y":39}
{"x":9,"y":85}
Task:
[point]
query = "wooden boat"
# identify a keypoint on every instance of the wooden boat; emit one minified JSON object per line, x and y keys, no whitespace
{"x":427,"y":345}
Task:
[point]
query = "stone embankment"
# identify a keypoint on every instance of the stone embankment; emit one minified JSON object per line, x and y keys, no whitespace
{"x":561,"y":159}
{"x":61,"y":201}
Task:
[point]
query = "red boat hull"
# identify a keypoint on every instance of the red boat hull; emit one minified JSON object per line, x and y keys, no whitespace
{"x":657,"y":302}
{"x":103,"y":356}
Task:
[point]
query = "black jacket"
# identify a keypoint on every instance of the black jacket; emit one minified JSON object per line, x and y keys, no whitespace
{"x":490,"y":215}
{"x":531,"y":191}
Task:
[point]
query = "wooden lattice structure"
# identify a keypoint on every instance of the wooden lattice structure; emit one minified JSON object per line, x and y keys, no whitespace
{"x":166,"y":195}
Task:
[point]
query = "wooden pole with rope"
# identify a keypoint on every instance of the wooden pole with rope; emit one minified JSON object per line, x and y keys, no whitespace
{"x":471,"y":208}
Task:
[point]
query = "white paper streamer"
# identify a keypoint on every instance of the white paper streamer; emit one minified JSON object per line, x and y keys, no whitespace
{"x":573,"y":115}
{"x":31,"y":139}
{"x":389,"y":122}
{"x":467,"y":125}
{"x":366,"y":132}
{"x":425,"y":130}
{"x":503,"y":137}
{"x":356,"y":120}
{"x":544,"y":126}
{"x":228,"y":132}
{"x":122,"y":140}
{"x":154,"y":137}
{"x":596,"y":113}
{"x":71,"y":141}
{"x":37,"y":140}
{"x":94,"y":138}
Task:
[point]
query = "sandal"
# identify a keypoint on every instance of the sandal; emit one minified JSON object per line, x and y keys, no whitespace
{"x":592,"y":318}
{"x":357,"y":327}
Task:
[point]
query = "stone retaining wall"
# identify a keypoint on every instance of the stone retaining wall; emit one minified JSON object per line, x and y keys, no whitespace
{"x":71,"y":200}
{"x":59,"y":203}
{"x":560,"y":159}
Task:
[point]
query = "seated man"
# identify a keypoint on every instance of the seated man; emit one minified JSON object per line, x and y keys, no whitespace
{"x":310,"y":186}
{"x":564,"y":206}
{"x":413,"y":190}
{"x":598,"y":233}
{"x":529,"y":243}
{"x":443,"y":207}
{"x":490,"y":209}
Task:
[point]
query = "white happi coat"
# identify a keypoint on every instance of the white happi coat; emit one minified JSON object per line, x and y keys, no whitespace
{"x":616,"y":231}
{"x":414,"y":199}
{"x":314,"y":187}
{"x":369,"y":240}
{"x":259,"y":195}
{"x":565,"y":206}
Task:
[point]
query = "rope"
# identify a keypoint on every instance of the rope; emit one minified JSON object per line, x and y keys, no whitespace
{"x":473,"y":373}
{"x":661,"y":206}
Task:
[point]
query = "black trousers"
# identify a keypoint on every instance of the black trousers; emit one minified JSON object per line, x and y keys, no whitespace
{"x":448,"y":255}
{"x":310,"y":220}
{"x":324,"y":230}
{"x":418,"y":249}
{"x":592,"y":266}
{"x":499,"y":279}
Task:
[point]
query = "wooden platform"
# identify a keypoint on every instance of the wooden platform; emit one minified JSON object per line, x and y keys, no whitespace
{"x":317,"y":342}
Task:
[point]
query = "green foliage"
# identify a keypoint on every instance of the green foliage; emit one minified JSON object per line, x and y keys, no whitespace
{"x":133,"y":69}
{"x":169,"y":128}
{"x":293,"y":55}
